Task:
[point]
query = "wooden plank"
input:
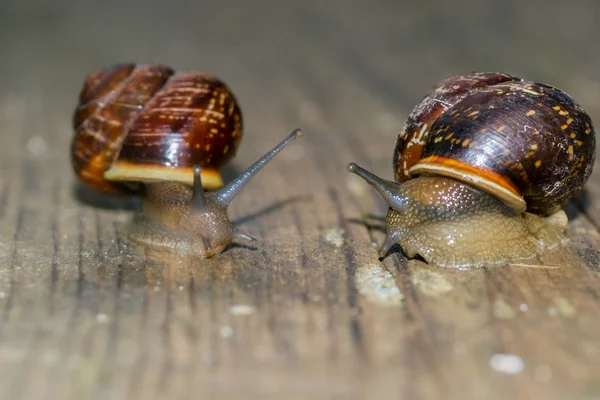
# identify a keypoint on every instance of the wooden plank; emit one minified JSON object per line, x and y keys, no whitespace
{"x":309,"y":311}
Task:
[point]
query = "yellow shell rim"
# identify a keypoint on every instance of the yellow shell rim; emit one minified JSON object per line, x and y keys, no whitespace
{"x":122,"y":171}
{"x":493,"y":184}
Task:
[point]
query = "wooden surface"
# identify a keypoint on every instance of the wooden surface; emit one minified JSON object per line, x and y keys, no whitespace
{"x":310,"y":312}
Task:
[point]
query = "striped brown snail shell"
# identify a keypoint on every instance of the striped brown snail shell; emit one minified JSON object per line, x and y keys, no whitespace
{"x":164,"y":134}
{"x":482,"y":167}
{"x":138,"y":123}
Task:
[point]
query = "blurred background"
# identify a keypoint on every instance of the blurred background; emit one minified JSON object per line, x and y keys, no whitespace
{"x":309,"y":63}
{"x":347,"y":72}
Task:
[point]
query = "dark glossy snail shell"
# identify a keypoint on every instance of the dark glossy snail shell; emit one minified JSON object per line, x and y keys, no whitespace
{"x":143,"y":123}
{"x":527,"y":143}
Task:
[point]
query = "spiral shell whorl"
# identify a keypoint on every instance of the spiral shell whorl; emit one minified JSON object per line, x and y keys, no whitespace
{"x":415,"y":133}
{"x":145,"y":123}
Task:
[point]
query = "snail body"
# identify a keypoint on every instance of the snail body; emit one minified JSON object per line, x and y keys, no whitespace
{"x":482,"y":168}
{"x":164,"y":134}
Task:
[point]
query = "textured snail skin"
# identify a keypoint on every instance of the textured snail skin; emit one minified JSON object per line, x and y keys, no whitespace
{"x":168,"y":223}
{"x":186,"y":220}
{"x":451,"y":224}
{"x":483,"y":165}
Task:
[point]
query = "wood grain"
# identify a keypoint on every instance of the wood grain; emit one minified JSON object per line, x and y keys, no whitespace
{"x":310,"y":312}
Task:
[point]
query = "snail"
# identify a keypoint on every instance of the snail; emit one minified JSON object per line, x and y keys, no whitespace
{"x":482,"y":168}
{"x":150,"y":130}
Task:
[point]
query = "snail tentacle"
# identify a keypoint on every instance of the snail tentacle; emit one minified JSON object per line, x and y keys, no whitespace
{"x":390,"y":191}
{"x":198,"y":202}
{"x":225,"y":195}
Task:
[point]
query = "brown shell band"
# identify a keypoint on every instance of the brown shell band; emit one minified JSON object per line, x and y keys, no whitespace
{"x":91,"y":175}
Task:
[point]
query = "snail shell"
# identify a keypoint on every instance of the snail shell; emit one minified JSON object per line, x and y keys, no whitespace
{"x":145,"y":123}
{"x":529,"y":144}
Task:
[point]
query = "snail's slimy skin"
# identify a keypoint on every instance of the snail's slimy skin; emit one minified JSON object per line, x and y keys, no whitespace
{"x":522,"y":150}
{"x":452,"y":224}
{"x":169,"y":223}
{"x":180,"y":219}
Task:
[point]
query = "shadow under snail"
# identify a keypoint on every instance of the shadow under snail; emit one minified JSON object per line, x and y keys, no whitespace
{"x":165,"y":134}
{"x":482,"y":167}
